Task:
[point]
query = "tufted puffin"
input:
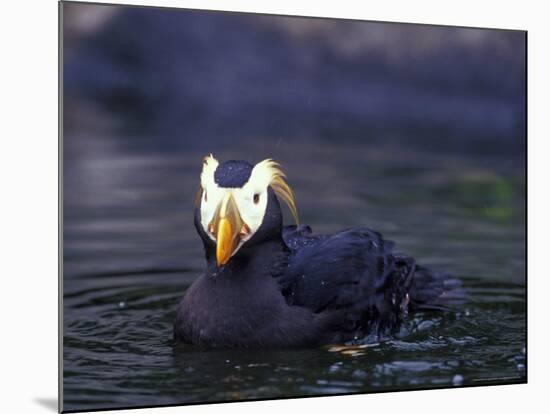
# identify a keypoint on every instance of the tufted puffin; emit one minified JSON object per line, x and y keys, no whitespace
{"x":269,"y":285}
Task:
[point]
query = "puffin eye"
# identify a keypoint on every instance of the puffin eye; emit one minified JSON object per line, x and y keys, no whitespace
{"x":256,"y":198}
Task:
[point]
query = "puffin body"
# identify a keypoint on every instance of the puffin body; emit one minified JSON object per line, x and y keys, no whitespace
{"x":267,"y":285}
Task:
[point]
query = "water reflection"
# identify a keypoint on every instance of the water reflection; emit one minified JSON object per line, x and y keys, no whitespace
{"x":131,"y":251}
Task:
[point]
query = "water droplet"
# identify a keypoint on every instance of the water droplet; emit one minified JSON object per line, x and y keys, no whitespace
{"x":359,"y":374}
{"x":425,"y":325}
{"x":523,"y":351}
{"x":520,"y":367}
{"x":458,"y":380}
{"x":121,"y":305}
{"x":334,"y":368}
{"x":227,"y":361}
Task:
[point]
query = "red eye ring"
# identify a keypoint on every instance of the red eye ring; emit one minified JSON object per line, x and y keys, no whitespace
{"x":256,"y":198}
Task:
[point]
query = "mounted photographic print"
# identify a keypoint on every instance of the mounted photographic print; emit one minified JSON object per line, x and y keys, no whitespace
{"x":261,"y":206}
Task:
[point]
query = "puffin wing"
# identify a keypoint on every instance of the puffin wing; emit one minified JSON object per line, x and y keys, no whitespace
{"x":353,"y":268}
{"x":357,"y":271}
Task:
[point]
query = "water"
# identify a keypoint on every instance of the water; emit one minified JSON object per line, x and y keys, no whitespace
{"x":130,"y":252}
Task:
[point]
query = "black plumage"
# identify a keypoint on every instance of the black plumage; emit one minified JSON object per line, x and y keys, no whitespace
{"x":232,"y":174}
{"x":289,"y":287}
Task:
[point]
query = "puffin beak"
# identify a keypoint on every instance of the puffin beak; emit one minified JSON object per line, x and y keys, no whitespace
{"x":228,"y":227}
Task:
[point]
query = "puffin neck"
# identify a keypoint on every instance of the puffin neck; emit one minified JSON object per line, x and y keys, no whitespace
{"x":258,"y":260}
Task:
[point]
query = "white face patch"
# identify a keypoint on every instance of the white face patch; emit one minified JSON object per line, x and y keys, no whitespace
{"x":251,"y":198}
{"x":212,"y":194}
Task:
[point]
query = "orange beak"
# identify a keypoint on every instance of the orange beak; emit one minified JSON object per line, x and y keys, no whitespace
{"x":228,"y":228}
{"x":226,"y":242}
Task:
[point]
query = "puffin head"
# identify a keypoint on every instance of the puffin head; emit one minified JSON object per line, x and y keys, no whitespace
{"x":237,"y":205}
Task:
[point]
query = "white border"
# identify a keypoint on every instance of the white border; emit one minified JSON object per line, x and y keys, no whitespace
{"x":28,"y":171}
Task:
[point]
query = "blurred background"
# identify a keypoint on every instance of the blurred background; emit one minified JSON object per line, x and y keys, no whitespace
{"x":202,"y":79}
{"x":416,"y":131}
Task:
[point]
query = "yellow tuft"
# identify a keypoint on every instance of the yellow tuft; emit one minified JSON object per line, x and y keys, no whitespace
{"x":278,"y":183}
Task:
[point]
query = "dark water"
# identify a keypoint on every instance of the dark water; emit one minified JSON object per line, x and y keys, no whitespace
{"x":130,"y":252}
